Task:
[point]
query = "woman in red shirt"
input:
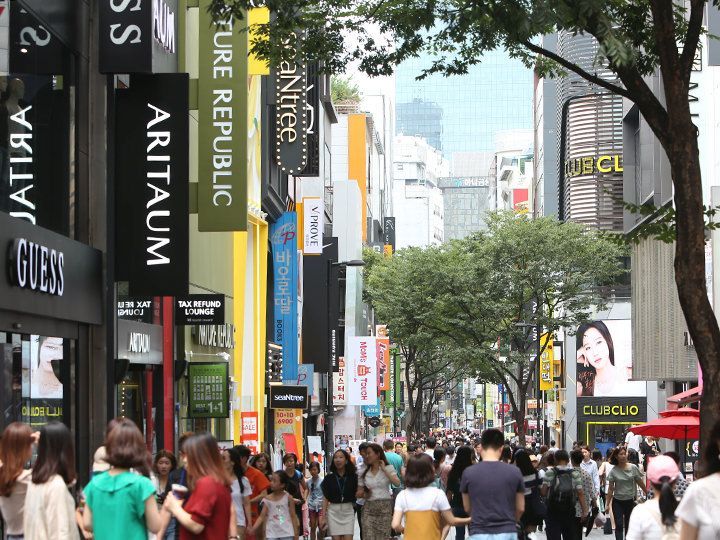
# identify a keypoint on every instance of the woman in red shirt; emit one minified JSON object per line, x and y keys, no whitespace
{"x":208,"y":512}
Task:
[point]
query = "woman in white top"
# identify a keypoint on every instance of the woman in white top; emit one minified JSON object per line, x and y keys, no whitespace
{"x":374,"y":486}
{"x":656,"y":517}
{"x":15,"y":451}
{"x":240,"y":490}
{"x":49,"y":507}
{"x":699,"y":510}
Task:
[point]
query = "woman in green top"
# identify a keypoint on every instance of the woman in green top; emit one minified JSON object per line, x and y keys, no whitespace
{"x":623,"y":480}
{"x":120,"y":504}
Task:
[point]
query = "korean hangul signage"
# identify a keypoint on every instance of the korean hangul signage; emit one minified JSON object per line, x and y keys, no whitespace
{"x":249,"y":426}
{"x":208,"y":390}
{"x":383,"y":363}
{"x":546,"y":361}
{"x":361,"y":361}
{"x":283,"y":238}
{"x":339,"y":386}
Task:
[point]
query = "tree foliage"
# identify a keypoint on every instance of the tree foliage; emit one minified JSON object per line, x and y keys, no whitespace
{"x":344,"y":90}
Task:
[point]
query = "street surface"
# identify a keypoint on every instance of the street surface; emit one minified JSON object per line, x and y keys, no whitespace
{"x":596,"y":534}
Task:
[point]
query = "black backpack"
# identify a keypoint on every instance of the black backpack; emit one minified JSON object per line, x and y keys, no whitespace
{"x":562,"y":497}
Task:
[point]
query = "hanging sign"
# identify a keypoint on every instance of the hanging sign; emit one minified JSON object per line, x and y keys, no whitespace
{"x":547,"y":358}
{"x":222,"y":124}
{"x":200,"y":309}
{"x":361,"y":360}
{"x":249,"y":427}
{"x":339,"y":384}
{"x":289,"y":397}
{"x":151,"y":178}
{"x":383,"y":363}
{"x":208,"y":395}
{"x":283,"y":238}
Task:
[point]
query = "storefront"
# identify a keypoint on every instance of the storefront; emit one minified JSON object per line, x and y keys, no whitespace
{"x":603,"y":422}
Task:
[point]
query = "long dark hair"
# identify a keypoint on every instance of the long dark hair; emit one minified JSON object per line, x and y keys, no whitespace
{"x":586,"y":374}
{"x":56,"y":454}
{"x":711,"y":461}
{"x":349,"y":465}
{"x":268,"y":465}
{"x":522,"y":462}
{"x":463,"y":459}
{"x":667,"y":502}
{"x":235,"y":458}
{"x":203,"y":459}
{"x":15,"y":450}
{"x":379,"y":452}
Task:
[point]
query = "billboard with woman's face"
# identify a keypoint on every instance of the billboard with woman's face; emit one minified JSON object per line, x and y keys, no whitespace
{"x":604,"y":360}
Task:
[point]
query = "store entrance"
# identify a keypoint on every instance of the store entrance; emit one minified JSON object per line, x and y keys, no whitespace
{"x":35,"y":379}
{"x":605,"y":435}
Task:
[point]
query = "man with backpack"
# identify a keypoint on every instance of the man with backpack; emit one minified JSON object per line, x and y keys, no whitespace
{"x":566,"y":503}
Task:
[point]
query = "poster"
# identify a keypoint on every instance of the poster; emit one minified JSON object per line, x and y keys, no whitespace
{"x":289,"y":425}
{"x":604,"y":360}
{"x":208,"y":390}
{"x":249,"y":430}
{"x":361,"y":370}
{"x":44,"y":383}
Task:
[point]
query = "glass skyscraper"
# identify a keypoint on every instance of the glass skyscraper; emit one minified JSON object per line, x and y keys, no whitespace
{"x":463,"y":113}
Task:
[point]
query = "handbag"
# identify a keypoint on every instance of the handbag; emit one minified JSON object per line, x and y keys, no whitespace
{"x":607,"y":528}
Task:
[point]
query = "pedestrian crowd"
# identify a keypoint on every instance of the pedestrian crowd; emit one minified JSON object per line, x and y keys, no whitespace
{"x":485,"y":488}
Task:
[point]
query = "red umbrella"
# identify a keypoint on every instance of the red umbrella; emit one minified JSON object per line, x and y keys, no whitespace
{"x":684,"y":411}
{"x":677,"y":427}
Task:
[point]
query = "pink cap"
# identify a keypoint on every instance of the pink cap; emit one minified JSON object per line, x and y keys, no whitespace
{"x":661,"y":466}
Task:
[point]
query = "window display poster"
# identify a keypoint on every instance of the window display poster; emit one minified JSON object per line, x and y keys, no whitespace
{"x":44,"y":383}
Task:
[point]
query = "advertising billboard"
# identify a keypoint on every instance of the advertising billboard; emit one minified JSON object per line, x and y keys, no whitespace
{"x":604,"y":360}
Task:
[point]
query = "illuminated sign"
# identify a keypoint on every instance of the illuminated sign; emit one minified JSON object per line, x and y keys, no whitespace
{"x":588,"y":165}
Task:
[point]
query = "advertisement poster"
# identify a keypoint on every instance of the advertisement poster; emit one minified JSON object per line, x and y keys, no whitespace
{"x":383,"y":363}
{"x":339,"y":384}
{"x":283,"y":237}
{"x":208,"y":390}
{"x":44,"y":383}
{"x":249,"y":426}
{"x":289,"y":427}
{"x":604,"y":360}
{"x":361,"y":359}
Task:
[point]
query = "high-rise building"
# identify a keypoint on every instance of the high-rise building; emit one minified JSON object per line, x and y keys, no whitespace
{"x":464,"y":113}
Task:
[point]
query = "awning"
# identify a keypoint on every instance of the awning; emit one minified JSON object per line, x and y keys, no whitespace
{"x":683,"y":398}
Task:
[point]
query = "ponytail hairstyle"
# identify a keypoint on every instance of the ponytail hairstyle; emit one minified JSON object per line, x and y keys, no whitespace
{"x":667,"y":502}
{"x":711,"y":461}
{"x":235,"y":456}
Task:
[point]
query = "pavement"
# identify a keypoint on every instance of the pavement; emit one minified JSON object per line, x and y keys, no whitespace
{"x":596,"y":534}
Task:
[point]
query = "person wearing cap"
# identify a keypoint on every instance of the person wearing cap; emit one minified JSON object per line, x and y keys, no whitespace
{"x":656,"y":517}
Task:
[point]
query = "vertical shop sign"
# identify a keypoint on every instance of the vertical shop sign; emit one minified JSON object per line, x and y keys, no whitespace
{"x":283,"y":238}
{"x":138,"y":36}
{"x":208,"y":395}
{"x":305,"y":377}
{"x":222,"y":124}
{"x":383,"y":363}
{"x":313,"y":225}
{"x":152,"y":184}
{"x":249,"y":426}
{"x":390,"y":394}
{"x":361,"y":360}
{"x":291,"y":115}
{"x":389,"y":233}
{"x":547,"y":359}
{"x":339,"y":384}
{"x":33,"y":49}
{"x":313,"y":121}
{"x":398,"y":378}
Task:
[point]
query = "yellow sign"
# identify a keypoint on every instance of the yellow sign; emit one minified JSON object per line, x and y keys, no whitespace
{"x":611,"y":410}
{"x":590,"y":165}
{"x":257,"y":16}
{"x":547,"y":358}
{"x":387,"y":250}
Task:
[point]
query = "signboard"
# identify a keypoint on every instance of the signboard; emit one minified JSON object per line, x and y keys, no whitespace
{"x":289,"y":397}
{"x":138,"y":36}
{"x":135,"y":309}
{"x":283,"y":238}
{"x":291,"y":116}
{"x":361,"y":361}
{"x":313,"y":225}
{"x":389,"y":232}
{"x":200,"y":309}
{"x":289,"y":430}
{"x":21,"y":289}
{"x":222,"y":124}
{"x":249,"y":430}
{"x":141,"y":343}
{"x":208,"y":390}
{"x":215,"y":335}
{"x":306,"y":377}
{"x":390,"y":394}
{"x":33,"y":49}
{"x":383,"y":363}
{"x":449,"y":182}
{"x":152,"y":131}
{"x":547,"y":359}
{"x":588,"y":165}
{"x":314,"y":115}
{"x":339,"y":384}
{"x":371,"y":410}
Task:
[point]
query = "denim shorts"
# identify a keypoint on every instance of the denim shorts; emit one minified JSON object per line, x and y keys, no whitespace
{"x":498,"y":536}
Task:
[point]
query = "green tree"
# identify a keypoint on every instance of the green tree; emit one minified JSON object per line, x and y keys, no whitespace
{"x":343,"y":90}
{"x":637,"y":38}
{"x":400,"y":289}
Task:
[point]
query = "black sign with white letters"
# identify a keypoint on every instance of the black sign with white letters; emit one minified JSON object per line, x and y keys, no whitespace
{"x":151,"y":180}
{"x":389,"y":232}
{"x":138,"y":36}
{"x":200,"y":309}
{"x":33,"y":49}
{"x":289,"y":397}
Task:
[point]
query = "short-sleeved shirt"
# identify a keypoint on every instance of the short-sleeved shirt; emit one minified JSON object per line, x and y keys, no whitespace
{"x":492,"y":486}
{"x":421,"y":508}
{"x":588,"y":490}
{"x":397,"y":462}
{"x":339,"y":489}
{"x":238,"y":498}
{"x":624,"y":481}
{"x":378,"y":483}
{"x":117,"y":503}
{"x":209,"y":505}
{"x":699,"y":507}
{"x":645,"y":522}
{"x":258,"y":481}
{"x":577,"y":481}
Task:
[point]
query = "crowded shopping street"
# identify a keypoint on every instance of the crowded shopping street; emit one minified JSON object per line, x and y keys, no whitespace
{"x":359,"y":270}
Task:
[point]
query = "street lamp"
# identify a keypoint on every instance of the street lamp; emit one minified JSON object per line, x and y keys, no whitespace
{"x":329,"y":427}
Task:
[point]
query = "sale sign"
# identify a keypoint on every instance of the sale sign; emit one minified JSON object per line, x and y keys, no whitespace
{"x":361,"y":362}
{"x":249,"y":428}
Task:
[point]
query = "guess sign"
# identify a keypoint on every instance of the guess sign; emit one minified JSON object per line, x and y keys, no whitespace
{"x":37,"y":267}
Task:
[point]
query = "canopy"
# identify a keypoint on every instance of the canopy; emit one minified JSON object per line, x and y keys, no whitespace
{"x":678,"y":427}
{"x":684,"y":411}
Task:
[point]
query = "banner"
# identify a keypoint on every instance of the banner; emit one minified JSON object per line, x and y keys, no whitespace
{"x":390,"y":394}
{"x":361,"y":361}
{"x":339,"y":384}
{"x":389,"y":233}
{"x":383,"y":363}
{"x":249,"y":426}
{"x":222,"y":124}
{"x":151,"y":168}
{"x":547,"y":359}
{"x":283,"y":238}
{"x":305,"y":377}
{"x":313,"y":225}
{"x":398,"y":378}
{"x":289,"y":431}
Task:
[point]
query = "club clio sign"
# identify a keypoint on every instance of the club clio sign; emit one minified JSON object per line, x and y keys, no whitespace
{"x":588,"y":165}
{"x":152,"y":184}
{"x":138,"y":36}
{"x":222,"y":124}
{"x":291,"y":115}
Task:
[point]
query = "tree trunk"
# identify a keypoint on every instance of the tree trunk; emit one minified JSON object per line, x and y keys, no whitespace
{"x":689,"y":265}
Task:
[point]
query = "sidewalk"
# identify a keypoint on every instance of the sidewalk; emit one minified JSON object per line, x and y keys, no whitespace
{"x":596,"y":534}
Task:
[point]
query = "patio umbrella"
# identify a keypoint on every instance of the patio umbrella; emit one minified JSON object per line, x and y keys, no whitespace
{"x":684,"y":411}
{"x":677,"y":427}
